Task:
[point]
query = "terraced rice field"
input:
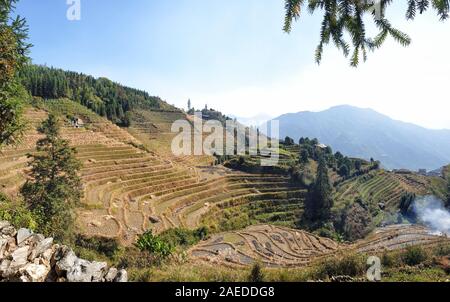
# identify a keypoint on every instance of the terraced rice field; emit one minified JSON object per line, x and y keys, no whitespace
{"x":283,"y":247}
{"x":397,"y":237}
{"x":128,"y":190}
{"x":273,"y":246}
{"x":153,"y":130}
{"x":13,"y":160}
{"x":381,"y":187}
{"x":133,"y":191}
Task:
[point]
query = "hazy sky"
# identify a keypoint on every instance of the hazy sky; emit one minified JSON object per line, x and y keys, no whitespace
{"x":233,"y":56}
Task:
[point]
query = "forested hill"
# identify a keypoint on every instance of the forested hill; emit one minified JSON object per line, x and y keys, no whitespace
{"x":103,"y":96}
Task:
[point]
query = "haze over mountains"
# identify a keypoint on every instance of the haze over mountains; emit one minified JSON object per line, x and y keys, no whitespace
{"x":368,"y":134}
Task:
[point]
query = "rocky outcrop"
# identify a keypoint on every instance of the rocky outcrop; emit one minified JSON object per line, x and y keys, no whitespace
{"x":29,"y":257}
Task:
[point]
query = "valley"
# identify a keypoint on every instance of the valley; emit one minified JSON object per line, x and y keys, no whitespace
{"x":132,"y":184}
{"x":125,"y":154}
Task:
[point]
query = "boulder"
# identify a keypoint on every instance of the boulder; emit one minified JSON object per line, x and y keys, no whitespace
{"x":41,"y":247}
{"x":111,"y":275}
{"x":4,"y":266}
{"x":80,"y":271}
{"x":28,"y":257}
{"x":36,"y":272}
{"x":64,"y":259}
{"x":122,"y":276}
{"x":154,"y":219}
{"x":19,"y":257}
{"x":22,"y":235}
{"x":3,"y":244}
{"x":99,"y":270}
{"x":4,"y":224}
{"x":9,"y":231}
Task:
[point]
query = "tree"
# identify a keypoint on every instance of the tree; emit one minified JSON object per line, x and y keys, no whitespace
{"x":54,"y":187}
{"x":358,"y":164}
{"x":304,"y":156}
{"x":13,"y":56}
{"x":347,"y":16}
{"x":288,"y":141}
{"x":448,"y":192}
{"x":189,"y":105}
{"x":344,"y":171}
{"x":406,"y":204}
{"x":319,"y":201}
{"x":256,"y":273}
{"x":101,"y":95}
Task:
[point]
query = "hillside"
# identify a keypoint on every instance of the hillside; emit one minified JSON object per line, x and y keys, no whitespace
{"x":367,"y":134}
{"x":103,"y":96}
{"x":132,"y":183}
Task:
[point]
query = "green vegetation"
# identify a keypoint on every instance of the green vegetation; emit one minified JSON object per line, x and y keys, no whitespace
{"x":256,"y":273}
{"x":414,"y":255}
{"x":106,"y":98}
{"x":16,"y":213}
{"x":353,"y":265}
{"x":165,"y":244}
{"x":355,"y":220}
{"x":448,"y":192}
{"x":179,"y":237}
{"x":13,"y":55}
{"x":348,"y":264}
{"x":319,"y":201}
{"x":346,"y":17}
{"x":154,"y":244}
{"x":54,"y":188}
{"x":406,"y":204}
{"x":106,"y":246}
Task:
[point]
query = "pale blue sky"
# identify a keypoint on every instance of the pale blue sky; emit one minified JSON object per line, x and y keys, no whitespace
{"x":234,"y":56}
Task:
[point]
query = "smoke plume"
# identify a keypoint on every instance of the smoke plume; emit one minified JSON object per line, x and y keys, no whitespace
{"x":431,"y":211}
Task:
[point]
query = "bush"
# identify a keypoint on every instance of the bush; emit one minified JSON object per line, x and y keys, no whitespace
{"x":154,"y":244}
{"x":106,"y":246}
{"x":256,"y":273}
{"x":349,"y":265}
{"x":414,"y":255}
{"x":137,"y":259}
{"x":442,"y":250}
{"x":183,"y":237}
{"x":16,"y":213}
{"x":390,"y":259}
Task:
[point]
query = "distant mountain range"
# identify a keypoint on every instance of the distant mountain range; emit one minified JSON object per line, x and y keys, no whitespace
{"x":368,"y":134}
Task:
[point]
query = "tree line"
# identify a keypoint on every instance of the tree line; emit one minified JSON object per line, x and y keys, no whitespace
{"x":103,"y":96}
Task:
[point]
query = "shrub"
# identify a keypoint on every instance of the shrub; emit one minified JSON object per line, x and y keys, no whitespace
{"x":442,"y":250}
{"x":348,"y":265}
{"x":106,"y":246}
{"x":16,"y":213}
{"x":414,"y":255}
{"x":154,"y":244}
{"x":256,"y":273}
{"x":390,"y":259}
{"x":184,"y":237}
{"x":137,"y":259}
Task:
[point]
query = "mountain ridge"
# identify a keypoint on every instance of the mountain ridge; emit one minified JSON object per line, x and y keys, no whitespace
{"x":366,"y":133}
